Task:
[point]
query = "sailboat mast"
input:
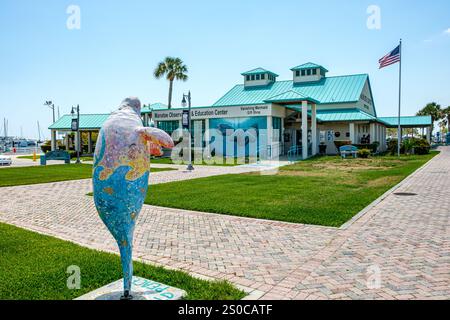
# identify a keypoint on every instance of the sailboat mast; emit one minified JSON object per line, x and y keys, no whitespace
{"x":39,"y":132}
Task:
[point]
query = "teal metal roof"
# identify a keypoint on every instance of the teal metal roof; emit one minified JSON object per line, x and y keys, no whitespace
{"x":344,"y":115}
{"x":328,"y":90}
{"x":408,"y":121}
{"x":258,"y":71}
{"x":87,"y":121}
{"x":308,"y":65}
{"x":153,"y":106}
{"x":290,"y":96}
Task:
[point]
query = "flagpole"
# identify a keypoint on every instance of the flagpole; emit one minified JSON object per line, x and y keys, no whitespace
{"x":399,"y":129}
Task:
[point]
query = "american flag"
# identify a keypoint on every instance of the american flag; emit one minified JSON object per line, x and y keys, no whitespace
{"x":391,"y":58}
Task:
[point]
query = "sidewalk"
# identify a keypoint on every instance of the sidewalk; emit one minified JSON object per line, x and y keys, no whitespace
{"x":399,"y":249}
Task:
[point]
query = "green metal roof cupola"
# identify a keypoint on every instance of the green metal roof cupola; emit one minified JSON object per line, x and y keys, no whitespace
{"x":259,"y":77}
{"x":308,"y":72}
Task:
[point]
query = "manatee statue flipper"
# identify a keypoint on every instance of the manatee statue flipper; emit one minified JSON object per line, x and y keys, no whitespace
{"x":157,"y":139}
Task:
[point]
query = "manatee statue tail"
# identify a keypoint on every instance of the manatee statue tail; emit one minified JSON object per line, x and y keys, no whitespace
{"x":126,"y":247}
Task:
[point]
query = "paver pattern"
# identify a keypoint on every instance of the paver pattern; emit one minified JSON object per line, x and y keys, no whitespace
{"x":398,"y":249}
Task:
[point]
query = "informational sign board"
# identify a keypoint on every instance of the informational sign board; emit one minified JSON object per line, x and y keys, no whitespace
{"x":215,"y":112}
{"x":330,"y":135}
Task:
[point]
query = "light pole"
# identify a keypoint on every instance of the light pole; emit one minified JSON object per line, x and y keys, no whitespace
{"x":190,"y":167}
{"x":51,"y":105}
{"x":76,"y":128}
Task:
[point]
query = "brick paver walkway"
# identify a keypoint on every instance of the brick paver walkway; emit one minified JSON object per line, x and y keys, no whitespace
{"x":399,"y":249}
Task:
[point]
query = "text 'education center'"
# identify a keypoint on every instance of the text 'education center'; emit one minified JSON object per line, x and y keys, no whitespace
{"x":327,"y":108}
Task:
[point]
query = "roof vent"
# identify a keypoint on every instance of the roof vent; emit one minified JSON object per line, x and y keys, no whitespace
{"x":259,"y":77}
{"x":308,"y":72}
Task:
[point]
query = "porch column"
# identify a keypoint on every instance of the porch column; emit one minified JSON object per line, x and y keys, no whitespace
{"x":304,"y":129}
{"x":429,"y":134}
{"x":66,"y":141}
{"x":206,"y":139}
{"x":314,"y":129}
{"x":351,"y":129}
{"x":372,"y":132}
{"x":90,"y":142}
{"x":269,"y":144}
{"x":53,"y":140}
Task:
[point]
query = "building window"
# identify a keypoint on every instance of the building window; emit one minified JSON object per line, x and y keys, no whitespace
{"x":257,"y":77}
{"x":253,"y":77}
{"x":303,"y":73}
{"x":276,"y":126}
{"x":168,"y":126}
{"x":263,"y":76}
{"x":248,"y":78}
{"x":314,"y":71}
{"x":297,"y":73}
{"x":308,"y":72}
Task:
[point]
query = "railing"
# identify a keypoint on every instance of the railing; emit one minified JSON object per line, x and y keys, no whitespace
{"x":294,"y":153}
{"x":18,"y":150}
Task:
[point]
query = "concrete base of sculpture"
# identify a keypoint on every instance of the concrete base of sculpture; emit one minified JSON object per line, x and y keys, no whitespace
{"x":141,"y":289}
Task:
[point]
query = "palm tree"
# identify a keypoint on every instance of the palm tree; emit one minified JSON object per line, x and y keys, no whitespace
{"x":432,"y":109}
{"x":446,"y":118}
{"x":173,"y":69}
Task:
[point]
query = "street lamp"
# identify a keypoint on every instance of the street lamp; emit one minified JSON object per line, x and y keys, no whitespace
{"x":76,"y":127}
{"x":51,"y":105}
{"x":190,"y":167}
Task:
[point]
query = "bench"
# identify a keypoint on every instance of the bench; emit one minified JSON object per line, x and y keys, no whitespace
{"x":55,"y":155}
{"x":348,"y":150}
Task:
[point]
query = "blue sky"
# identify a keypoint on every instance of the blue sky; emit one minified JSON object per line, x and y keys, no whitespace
{"x":119,"y":44}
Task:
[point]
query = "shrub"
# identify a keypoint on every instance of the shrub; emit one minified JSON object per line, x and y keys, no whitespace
{"x":45,"y":148}
{"x":339,"y":144}
{"x":364,"y":153}
{"x":73,"y":154}
{"x":410,"y":145}
{"x":371,"y":146}
{"x":421,"y":146}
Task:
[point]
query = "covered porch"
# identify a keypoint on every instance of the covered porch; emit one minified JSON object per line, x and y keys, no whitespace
{"x":422,"y":123}
{"x":82,"y":140}
{"x":301,"y":117}
{"x":352,"y":126}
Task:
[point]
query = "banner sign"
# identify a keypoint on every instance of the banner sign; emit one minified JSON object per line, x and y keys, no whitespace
{"x":214,"y":112}
{"x":185,"y":119}
{"x":74,"y":125}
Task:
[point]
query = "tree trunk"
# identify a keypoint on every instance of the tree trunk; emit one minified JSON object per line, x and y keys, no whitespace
{"x":170,"y":93}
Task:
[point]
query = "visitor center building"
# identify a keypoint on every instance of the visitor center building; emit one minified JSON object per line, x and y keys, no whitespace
{"x":301,"y":113}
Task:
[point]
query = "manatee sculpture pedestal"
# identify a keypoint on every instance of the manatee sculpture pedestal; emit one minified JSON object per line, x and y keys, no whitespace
{"x":143,"y":289}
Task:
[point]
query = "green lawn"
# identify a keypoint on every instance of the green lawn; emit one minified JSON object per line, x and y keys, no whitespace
{"x":322,"y":191}
{"x":169,"y":161}
{"x":52,"y":173}
{"x":38,"y":156}
{"x":33,"y":266}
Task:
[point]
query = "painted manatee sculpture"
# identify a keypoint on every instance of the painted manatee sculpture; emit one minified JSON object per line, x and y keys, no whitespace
{"x":120,"y":176}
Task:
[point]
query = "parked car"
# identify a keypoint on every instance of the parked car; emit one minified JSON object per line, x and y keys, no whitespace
{"x":5,"y":160}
